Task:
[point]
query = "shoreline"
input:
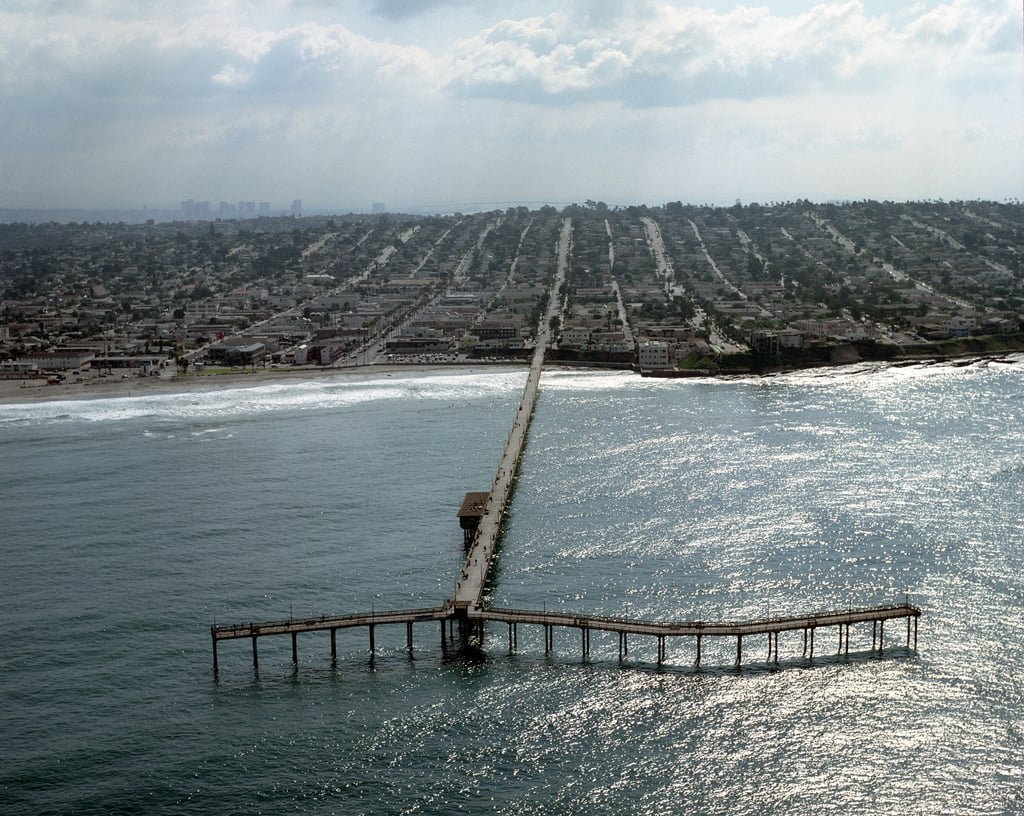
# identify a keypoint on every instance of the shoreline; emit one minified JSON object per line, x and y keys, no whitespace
{"x":956,"y":360}
{"x":29,"y":392}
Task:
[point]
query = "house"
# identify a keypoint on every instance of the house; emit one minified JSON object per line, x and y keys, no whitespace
{"x":846,"y":330}
{"x":961,"y":325}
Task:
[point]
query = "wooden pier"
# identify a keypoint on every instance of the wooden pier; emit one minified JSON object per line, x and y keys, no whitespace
{"x":463,"y":618}
{"x":471,"y":627}
{"x":698,"y":630}
{"x":371,"y":620}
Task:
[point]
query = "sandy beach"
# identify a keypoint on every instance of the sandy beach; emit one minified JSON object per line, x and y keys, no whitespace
{"x":13,"y":392}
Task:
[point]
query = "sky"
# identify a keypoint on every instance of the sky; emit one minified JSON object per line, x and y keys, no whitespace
{"x":465,"y":104}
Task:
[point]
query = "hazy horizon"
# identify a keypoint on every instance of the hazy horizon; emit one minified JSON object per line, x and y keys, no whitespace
{"x":174,"y":212}
{"x":445,"y":104}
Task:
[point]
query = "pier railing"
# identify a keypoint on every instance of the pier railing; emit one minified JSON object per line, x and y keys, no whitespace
{"x":471,"y":624}
{"x":693,"y":628}
{"x":325,"y":622}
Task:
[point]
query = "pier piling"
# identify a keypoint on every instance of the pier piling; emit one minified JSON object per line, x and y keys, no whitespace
{"x":472,"y":625}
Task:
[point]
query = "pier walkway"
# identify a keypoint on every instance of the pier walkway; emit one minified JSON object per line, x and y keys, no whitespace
{"x":477,"y":566}
{"x":473,"y":619}
{"x":371,"y":620}
{"x":808,"y":624}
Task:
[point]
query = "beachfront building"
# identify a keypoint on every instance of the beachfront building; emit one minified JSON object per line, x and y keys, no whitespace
{"x":790,"y":338}
{"x":961,"y":325}
{"x":241,"y":353}
{"x":654,"y":354}
{"x":576,"y":337}
{"x":61,"y":359}
{"x":407,"y":344}
{"x":497,"y":330}
{"x":764,"y":342}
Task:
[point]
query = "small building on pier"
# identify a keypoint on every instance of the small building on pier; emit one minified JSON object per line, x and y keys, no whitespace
{"x":473,"y":508}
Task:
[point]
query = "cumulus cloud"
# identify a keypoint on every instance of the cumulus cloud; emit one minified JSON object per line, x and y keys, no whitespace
{"x":213,"y":100}
{"x":158,"y":57}
{"x":678,"y":56}
{"x":201,"y":92}
{"x":313,"y":59}
{"x":230,"y":77}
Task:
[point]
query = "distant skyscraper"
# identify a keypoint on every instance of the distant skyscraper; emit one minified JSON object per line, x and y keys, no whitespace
{"x":297,"y":207}
{"x":264,"y":208}
{"x":379,"y":207}
{"x":195,"y":209}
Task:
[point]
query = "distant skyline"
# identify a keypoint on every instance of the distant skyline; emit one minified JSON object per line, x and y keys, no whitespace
{"x":440,"y":104}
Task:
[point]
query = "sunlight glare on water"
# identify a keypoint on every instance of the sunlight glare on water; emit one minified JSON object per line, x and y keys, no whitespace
{"x":131,"y":525}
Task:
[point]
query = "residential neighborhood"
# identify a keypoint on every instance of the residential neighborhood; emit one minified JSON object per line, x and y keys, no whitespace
{"x":676,"y":288}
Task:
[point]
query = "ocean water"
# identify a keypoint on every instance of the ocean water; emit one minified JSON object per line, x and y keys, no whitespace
{"x":128,"y":526}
